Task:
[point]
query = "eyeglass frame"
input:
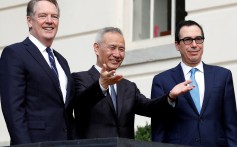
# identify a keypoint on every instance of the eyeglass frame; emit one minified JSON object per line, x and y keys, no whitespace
{"x":198,"y":37}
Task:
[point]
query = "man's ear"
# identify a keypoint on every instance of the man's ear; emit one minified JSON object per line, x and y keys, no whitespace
{"x":177,"y":45}
{"x":29,"y":21}
{"x":96,"y":48}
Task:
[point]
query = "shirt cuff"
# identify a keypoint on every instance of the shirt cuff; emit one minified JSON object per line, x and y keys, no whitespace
{"x":103,"y":90}
{"x":171,"y":103}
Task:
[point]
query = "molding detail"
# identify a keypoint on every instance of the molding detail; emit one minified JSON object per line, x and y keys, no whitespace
{"x":150,"y":54}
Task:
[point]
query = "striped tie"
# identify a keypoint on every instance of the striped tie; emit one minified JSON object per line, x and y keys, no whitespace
{"x":52,"y":62}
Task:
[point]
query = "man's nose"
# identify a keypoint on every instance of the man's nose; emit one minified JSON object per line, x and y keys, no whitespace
{"x":116,"y":52}
{"x":193,"y":43}
{"x":49,"y":19}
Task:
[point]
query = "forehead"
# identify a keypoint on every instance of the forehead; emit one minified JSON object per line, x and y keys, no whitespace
{"x":190,"y":31}
{"x":110,"y":37}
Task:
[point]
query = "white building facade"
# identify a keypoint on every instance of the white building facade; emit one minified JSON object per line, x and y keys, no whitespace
{"x":148,"y":27}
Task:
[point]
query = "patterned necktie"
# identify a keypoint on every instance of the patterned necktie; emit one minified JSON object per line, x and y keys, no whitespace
{"x":52,"y":61}
{"x":195,"y":91}
{"x":113,"y":96}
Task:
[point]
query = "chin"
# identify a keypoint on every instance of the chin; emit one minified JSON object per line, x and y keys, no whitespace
{"x":49,"y":38}
{"x":113,"y":67}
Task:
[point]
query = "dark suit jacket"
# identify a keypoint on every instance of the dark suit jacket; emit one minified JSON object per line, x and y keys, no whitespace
{"x":32,"y":102}
{"x":95,"y":114}
{"x":217,"y":123}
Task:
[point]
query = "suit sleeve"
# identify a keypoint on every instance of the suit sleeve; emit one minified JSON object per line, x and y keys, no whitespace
{"x":151,"y":107}
{"x":13,"y":86}
{"x":86,"y":88}
{"x":230,"y":114}
{"x":158,"y":122}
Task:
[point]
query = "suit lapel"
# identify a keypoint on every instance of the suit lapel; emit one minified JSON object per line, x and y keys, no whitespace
{"x":95,"y":76}
{"x":209,"y":82}
{"x":36,"y":54}
{"x":178,"y":75}
{"x":68,"y":74}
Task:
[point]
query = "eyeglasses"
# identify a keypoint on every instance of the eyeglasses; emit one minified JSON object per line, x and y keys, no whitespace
{"x":189,"y":40}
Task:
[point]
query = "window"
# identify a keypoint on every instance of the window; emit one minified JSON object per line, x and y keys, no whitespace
{"x":153,"y":18}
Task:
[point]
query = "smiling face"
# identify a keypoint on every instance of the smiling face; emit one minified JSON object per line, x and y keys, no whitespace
{"x":44,"y":23}
{"x":191,"y":54}
{"x":110,"y":51}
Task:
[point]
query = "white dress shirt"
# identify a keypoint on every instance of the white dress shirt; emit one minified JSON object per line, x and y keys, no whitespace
{"x":199,"y":76}
{"x":61,"y":74}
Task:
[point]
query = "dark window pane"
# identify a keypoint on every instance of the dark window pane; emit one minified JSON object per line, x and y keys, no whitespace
{"x":180,"y":11}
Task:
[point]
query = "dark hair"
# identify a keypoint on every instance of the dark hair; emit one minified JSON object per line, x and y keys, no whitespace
{"x":100,"y":35}
{"x":185,"y":23}
{"x":30,"y":11}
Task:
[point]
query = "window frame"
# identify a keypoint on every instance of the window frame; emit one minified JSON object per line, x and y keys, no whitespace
{"x":157,"y":41}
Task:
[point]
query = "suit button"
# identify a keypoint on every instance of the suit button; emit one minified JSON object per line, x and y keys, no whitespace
{"x":65,"y":130}
{"x":200,"y":119}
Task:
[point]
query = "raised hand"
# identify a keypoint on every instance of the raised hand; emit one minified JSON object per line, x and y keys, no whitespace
{"x":108,"y":77}
{"x":180,"y":89}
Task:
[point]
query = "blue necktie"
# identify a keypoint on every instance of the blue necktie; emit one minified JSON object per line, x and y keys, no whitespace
{"x":195,"y":91}
{"x":52,"y":61}
{"x":113,"y":95}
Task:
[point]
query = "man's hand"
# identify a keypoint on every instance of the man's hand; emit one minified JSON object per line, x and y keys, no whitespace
{"x":108,"y":78}
{"x":180,"y":89}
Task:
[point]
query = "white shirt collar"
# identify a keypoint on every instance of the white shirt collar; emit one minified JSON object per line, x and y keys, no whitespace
{"x":98,"y":68}
{"x":38,"y":44}
{"x":187,"y":68}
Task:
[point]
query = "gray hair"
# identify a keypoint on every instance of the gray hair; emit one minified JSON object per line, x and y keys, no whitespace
{"x":100,"y":35}
{"x":30,"y":11}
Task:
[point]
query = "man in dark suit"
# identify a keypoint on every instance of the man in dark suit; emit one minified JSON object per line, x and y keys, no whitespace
{"x":98,"y":113}
{"x":36,"y":91}
{"x":208,"y":119}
